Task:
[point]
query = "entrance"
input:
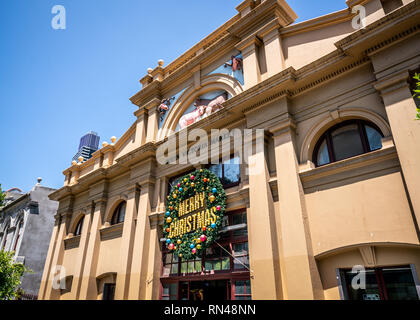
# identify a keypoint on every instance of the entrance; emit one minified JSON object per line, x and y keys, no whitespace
{"x":216,"y":290}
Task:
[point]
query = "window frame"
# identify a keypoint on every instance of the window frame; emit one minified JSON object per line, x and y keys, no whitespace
{"x":327,"y":136}
{"x":231,"y":158}
{"x":79,"y":227}
{"x":383,"y":291}
{"x":108,"y":291}
{"x":116,"y":216}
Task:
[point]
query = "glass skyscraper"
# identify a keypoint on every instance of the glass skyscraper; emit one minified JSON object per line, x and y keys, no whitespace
{"x":88,"y":145}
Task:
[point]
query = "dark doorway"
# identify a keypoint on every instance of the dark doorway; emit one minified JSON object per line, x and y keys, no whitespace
{"x":217,"y":290}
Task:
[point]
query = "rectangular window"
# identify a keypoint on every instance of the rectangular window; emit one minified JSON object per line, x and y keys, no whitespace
{"x":241,"y":254}
{"x":229,"y":172}
{"x":170,"y":291}
{"x":242,"y":290}
{"x":170,"y":264}
{"x":387,"y":283}
{"x":109,"y":291}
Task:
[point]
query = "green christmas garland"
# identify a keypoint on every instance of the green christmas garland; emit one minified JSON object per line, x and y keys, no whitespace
{"x":193,"y":244}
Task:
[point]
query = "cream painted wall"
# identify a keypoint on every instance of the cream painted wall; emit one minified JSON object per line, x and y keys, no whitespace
{"x":363,"y":211}
{"x":109,"y":260}
{"x":302,"y":49}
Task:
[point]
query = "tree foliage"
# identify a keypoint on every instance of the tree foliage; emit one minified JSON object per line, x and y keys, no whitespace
{"x":10,"y":276}
{"x":2,"y":195}
{"x":416,"y":92}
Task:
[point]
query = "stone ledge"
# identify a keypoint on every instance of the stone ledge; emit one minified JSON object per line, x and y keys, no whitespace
{"x":71,"y":243}
{"x":112,"y":232}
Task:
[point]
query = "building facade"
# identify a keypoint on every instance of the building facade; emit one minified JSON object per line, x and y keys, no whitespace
{"x":26,"y":223}
{"x":337,"y":186}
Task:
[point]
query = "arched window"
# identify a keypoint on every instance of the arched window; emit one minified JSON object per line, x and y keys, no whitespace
{"x":20,"y":229}
{"x":79,"y":226}
{"x":345,"y":140}
{"x":119,"y":214}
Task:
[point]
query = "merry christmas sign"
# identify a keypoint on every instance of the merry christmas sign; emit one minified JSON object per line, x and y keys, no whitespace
{"x":194,"y":211}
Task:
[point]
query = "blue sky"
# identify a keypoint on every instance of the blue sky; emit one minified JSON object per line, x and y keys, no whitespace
{"x":56,"y":85}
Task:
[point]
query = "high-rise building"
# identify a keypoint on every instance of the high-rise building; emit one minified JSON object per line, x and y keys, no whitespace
{"x":88,"y":145}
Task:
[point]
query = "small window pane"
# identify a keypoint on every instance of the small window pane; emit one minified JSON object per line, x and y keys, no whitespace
{"x":232,"y":171}
{"x":399,"y":284}
{"x":372,"y":289}
{"x":190,"y":266}
{"x":174,"y":269}
{"x":198,"y":266}
{"x":217,"y":265}
{"x":374,"y":138}
{"x":346,"y":141}
{"x":208,"y":265}
{"x":183,"y":267}
{"x":166,"y":270}
{"x":239,"y":287}
{"x":122,"y":213}
{"x":226,"y":263}
{"x":170,"y":291}
{"x":168,"y":258}
{"x":323,"y":156}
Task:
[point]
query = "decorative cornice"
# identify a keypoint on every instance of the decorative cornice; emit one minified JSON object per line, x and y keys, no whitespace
{"x":402,"y":35}
{"x":401,"y":15}
{"x":329,"y":76}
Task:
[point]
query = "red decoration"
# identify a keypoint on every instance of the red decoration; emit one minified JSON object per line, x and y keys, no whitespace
{"x":218,"y":208}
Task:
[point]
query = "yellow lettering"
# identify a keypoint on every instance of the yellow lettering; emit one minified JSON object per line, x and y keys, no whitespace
{"x":188,"y":220}
{"x":192,"y":205}
{"x":213,"y":216}
{"x":200,"y":219}
{"x":207,"y":218}
{"x":181,"y":227}
{"x":187,"y":210}
{"x":181,"y":209}
{"x":202,"y":197}
{"x":194,"y":216}
{"x":175,"y":233}
{"x":197,"y":201}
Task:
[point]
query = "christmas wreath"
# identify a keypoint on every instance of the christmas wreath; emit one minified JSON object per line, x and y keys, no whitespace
{"x":194,"y":211}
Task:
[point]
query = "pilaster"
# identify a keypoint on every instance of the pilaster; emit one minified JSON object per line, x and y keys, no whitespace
{"x":401,"y":109}
{"x":88,"y":290}
{"x":262,"y":236}
{"x":142,"y":239}
{"x":127,"y":239}
{"x":300,"y":277}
